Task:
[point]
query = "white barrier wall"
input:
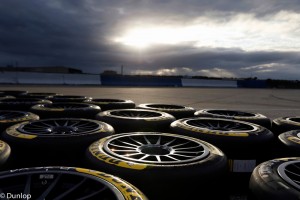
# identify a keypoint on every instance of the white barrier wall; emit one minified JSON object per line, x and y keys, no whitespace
{"x":9,"y":77}
{"x":40,"y":78}
{"x":49,"y":78}
{"x":208,"y":83}
{"x":92,"y":79}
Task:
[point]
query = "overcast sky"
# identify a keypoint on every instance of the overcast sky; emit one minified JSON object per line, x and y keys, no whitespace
{"x":193,"y":37}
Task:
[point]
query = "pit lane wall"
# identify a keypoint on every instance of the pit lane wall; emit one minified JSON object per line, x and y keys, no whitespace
{"x":126,"y":80}
{"x":154,"y":81}
{"x":49,"y":78}
{"x":208,"y":83}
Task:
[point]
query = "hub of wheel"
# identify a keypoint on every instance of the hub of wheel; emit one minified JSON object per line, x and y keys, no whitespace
{"x":155,"y":150}
{"x":63,"y":129}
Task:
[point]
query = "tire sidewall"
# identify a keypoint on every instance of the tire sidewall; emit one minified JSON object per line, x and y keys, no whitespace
{"x":265,"y":182}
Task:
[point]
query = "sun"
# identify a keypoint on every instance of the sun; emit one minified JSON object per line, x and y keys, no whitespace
{"x":147,"y":37}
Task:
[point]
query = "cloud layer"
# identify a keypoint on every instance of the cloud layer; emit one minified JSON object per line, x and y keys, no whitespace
{"x":194,"y":37}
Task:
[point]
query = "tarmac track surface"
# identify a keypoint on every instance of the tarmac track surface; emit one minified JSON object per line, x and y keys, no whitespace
{"x":271,"y":102}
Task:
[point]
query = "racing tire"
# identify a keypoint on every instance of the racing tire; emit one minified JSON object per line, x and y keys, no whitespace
{"x":11,"y":117}
{"x":15,"y":93}
{"x":177,"y":111}
{"x":132,"y":120}
{"x":65,"y":183}
{"x":4,"y":153}
{"x":255,"y":118}
{"x":39,"y":95}
{"x":290,"y":141}
{"x":58,"y":141}
{"x":110,"y":104}
{"x":62,"y":110}
{"x":5,"y":96}
{"x":162,"y":165}
{"x":242,"y":142}
{"x":224,"y":133}
{"x":284,"y":124}
{"x":276,"y":179}
{"x":68,"y":98}
{"x":21,"y":104}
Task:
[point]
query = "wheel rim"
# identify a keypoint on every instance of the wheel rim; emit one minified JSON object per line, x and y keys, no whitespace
{"x":290,"y":172}
{"x":22,"y":100}
{"x":66,"y":106}
{"x":165,"y":106}
{"x":6,"y":115}
{"x":14,"y":92}
{"x":230,"y":113}
{"x":108,"y":100}
{"x":58,"y":184}
{"x":69,"y":97}
{"x":57,"y":127}
{"x":294,"y":119}
{"x":135,"y":113}
{"x":41,"y":94}
{"x":220,"y":125}
{"x":156,"y":148}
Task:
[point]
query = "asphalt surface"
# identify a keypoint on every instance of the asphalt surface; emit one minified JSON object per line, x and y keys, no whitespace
{"x":271,"y":102}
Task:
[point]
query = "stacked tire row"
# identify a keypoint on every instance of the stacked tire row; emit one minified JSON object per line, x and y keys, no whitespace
{"x":167,"y":151}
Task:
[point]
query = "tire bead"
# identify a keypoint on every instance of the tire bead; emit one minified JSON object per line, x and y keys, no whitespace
{"x":267,"y":183}
{"x":130,"y":120}
{"x":118,"y":188}
{"x":177,"y":111}
{"x":255,"y":118}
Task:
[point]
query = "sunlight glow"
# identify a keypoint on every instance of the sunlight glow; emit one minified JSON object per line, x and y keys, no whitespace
{"x":145,"y":37}
{"x":245,"y":31}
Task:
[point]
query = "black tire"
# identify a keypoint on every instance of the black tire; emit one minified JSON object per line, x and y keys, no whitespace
{"x":276,"y":180}
{"x":49,"y":141}
{"x":62,"y":110}
{"x":158,"y":170}
{"x":4,"y":152}
{"x":65,"y":183}
{"x":68,"y":98}
{"x":283,"y":124}
{"x":22,"y":104}
{"x":177,"y":111}
{"x":255,"y":118}
{"x":10,"y":117}
{"x":5,"y":96}
{"x":291,"y":141}
{"x":225,"y":133}
{"x":110,"y":104}
{"x":132,"y":120}
{"x":39,"y":95}
{"x":242,"y":142}
{"x":15,"y":93}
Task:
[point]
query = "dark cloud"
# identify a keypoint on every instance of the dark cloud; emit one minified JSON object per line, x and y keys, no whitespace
{"x":76,"y":33}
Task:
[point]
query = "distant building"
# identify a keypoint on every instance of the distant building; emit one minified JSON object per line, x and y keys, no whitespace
{"x":109,"y":72}
{"x":44,"y":69}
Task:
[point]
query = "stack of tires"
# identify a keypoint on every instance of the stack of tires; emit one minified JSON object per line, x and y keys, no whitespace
{"x":287,"y":131}
{"x":162,"y":165}
{"x":168,"y":151}
{"x":60,"y":138}
{"x":238,"y":134}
